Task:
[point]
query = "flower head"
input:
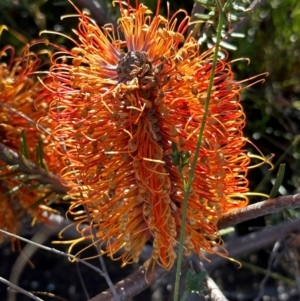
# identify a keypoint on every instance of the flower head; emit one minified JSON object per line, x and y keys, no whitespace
{"x":18,"y":90}
{"x":117,"y":105}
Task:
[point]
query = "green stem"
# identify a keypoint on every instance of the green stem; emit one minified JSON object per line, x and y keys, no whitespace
{"x":273,"y":275}
{"x":184,"y":296}
{"x":187,"y":186}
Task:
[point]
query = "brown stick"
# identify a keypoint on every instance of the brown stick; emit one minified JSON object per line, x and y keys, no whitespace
{"x":12,"y":158}
{"x":131,"y":285}
{"x":259,"y":209}
{"x":252,"y":242}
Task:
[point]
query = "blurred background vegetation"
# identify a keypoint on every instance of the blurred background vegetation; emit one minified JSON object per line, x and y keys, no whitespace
{"x":272,"y":44}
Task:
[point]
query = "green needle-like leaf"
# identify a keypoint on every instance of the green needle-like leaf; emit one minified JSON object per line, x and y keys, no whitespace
{"x":24,"y":146}
{"x":195,"y":281}
{"x":41,"y":200}
{"x":278,"y":181}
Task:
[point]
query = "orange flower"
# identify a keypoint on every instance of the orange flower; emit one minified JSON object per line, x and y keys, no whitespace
{"x":18,"y":90}
{"x":116,"y":107}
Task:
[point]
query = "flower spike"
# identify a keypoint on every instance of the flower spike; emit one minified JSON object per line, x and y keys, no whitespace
{"x":118,"y":108}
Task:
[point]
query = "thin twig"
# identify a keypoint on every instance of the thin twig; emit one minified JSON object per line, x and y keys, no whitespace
{"x":288,"y":244}
{"x":259,"y":209}
{"x":21,"y":290}
{"x":81,"y":280}
{"x":274,"y":257}
{"x":40,"y":237}
{"x":12,"y":158}
{"x":55,"y":251}
{"x":57,"y":223}
{"x":33,"y":122}
{"x":294,"y":259}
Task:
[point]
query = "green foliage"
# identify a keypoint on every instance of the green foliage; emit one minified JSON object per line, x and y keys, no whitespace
{"x":24,"y":147}
{"x":194,"y":283}
{"x":207,"y":22}
{"x":278,"y":181}
{"x":179,"y":158}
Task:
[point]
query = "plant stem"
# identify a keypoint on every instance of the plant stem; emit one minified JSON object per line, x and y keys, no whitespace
{"x":187,"y":186}
{"x":184,"y":296}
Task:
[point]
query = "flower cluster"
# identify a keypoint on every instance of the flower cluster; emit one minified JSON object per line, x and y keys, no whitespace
{"x":117,"y":101}
{"x":18,"y":90}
